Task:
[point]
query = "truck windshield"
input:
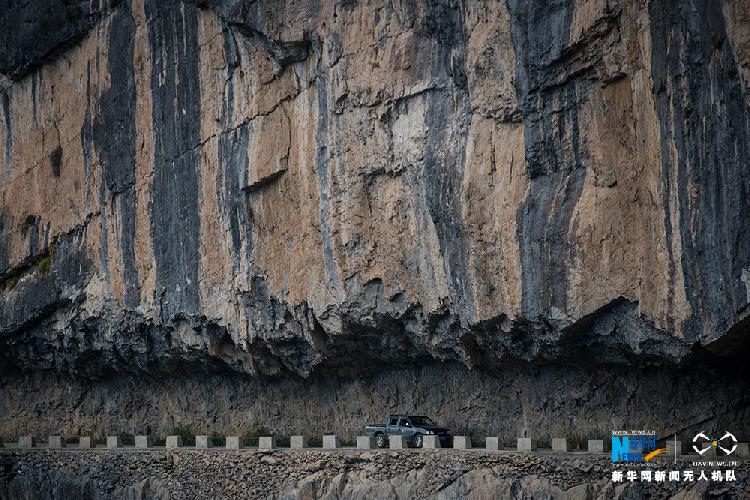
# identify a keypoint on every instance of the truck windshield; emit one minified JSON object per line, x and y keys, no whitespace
{"x":421,"y":421}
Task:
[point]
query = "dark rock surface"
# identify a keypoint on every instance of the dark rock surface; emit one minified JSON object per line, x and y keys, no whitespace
{"x":520,"y":400}
{"x":32,"y":33}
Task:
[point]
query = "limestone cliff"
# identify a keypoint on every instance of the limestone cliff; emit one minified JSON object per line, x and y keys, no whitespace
{"x":292,"y":188}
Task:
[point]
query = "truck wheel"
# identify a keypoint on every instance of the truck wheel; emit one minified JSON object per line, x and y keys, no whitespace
{"x":418,"y":441}
{"x":380,"y":440}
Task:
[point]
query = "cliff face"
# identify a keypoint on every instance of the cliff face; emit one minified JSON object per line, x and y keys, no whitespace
{"x":273,"y":188}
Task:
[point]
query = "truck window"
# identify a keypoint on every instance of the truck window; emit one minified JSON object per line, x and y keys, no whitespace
{"x":421,"y":421}
{"x":404,"y":422}
{"x":393,"y":421}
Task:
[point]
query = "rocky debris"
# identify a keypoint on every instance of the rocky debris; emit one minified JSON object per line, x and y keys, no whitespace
{"x":318,"y":474}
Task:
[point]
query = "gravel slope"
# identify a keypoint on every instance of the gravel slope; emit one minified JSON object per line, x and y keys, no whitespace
{"x":445,"y":474}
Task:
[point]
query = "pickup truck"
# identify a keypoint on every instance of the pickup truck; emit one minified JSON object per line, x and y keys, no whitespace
{"x":414,"y":427}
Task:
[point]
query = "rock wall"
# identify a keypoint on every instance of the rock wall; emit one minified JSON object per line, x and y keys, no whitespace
{"x":286,"y":189}
{"x":523,"y":400}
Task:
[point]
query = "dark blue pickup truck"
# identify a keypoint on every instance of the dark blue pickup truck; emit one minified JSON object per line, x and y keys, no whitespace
{"x":413,"y":427}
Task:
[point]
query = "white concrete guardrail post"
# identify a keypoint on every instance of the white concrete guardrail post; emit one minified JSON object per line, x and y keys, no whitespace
{"x":26,"y":442}
{"x":203,"y":442}
{"x":492,"y":443}
{"x":143,"y":442}
{"x":559,"y":445}
{"x":54,"y":442}
{"x":266,"y":443}
{"x":397,"y":442}
{"x":674,"y":448}
{"x":525,"y":445}
{"x":365,"y":442}
{"x":596,"y":446}
{"x":298,"y":442}
{"x":431,"y":442}
{"x":174,"y":442}
{"x":636,"y":446}
{"x":233,"y":443}
{"x":461,"y":442}
{"x":711,"y":452}
{"x":331,"y":442}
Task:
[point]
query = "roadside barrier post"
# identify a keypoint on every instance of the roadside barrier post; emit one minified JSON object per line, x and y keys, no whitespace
{"x":298,"y":442}
{"x":525,"y":445}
